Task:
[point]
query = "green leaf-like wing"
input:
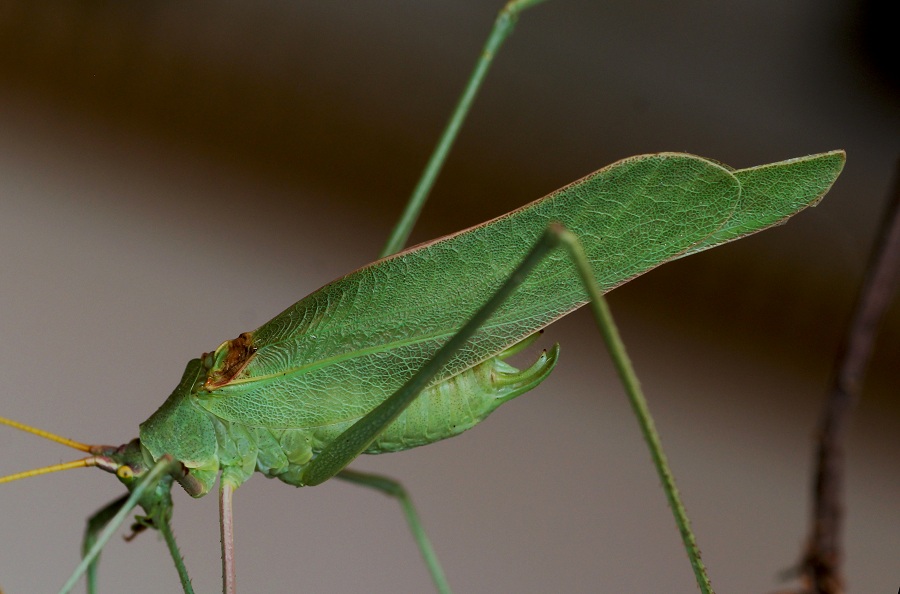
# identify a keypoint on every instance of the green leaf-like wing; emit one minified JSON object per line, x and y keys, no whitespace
{"x":337,"y":353}
{"x":771,"y":194}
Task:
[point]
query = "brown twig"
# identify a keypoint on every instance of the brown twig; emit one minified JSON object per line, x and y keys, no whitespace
{"x":821,"y":564}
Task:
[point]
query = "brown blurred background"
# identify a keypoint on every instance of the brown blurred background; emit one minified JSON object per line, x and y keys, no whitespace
{"x":173,"y":174}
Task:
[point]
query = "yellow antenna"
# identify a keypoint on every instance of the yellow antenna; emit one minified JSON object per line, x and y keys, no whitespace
{"x":47,"y":435}
{"x":100,"y":461}
{"x":83,"y":463}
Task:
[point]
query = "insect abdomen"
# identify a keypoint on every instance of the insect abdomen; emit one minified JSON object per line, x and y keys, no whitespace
{"x":281,"y":448}
{"x":461,"y":401}
{"x":441,"y":411}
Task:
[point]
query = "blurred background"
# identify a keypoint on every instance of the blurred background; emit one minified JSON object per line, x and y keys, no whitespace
{"x":172,"y":175}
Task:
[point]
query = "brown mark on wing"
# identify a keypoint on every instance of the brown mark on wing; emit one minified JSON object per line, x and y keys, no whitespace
{"x":240,"y":352}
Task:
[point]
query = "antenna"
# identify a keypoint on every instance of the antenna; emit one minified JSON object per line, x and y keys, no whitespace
{"x":95,"y":460}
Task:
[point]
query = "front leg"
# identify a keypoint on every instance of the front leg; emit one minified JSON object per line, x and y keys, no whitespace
{"x":95,"y":524}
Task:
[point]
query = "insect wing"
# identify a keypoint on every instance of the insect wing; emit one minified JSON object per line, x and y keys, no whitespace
{"x":334,"y":355}
{"x":770,"y":194}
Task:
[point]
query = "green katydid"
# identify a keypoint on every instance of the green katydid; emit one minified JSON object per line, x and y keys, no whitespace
{"x":330,"y":377}
{"x":711,"y":204}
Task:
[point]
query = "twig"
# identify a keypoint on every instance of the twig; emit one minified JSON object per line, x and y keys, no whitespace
{"x":821,"y":564}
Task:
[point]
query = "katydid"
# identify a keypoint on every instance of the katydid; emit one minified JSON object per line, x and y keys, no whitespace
{"x":291,"y":399}
{"x":358,"y":366}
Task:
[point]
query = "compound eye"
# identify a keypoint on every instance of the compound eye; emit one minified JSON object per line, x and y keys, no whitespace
{"x":124,"y":472}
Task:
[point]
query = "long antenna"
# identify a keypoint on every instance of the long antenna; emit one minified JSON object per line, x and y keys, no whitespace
{"x":95,"y":460}
{"x":83,"y":463}
{"x":47,"y":435}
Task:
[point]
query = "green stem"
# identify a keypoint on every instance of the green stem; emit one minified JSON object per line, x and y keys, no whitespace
{"x":503,"y":27}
